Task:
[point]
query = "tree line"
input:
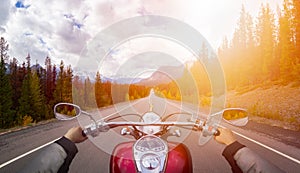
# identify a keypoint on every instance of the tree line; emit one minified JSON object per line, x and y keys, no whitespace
{"x":97,"y":93}
{"x":264,"y":49}
{"x":261,"y":50}
{"x":28,"y":92}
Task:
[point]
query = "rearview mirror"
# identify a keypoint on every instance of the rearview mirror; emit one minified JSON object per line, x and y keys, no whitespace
{"x":66,"y":111}
{"x":235,"y":116}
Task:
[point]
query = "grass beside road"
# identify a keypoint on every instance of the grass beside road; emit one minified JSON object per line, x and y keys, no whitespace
{"x":275,"y":105}
{"x":3,"y":131}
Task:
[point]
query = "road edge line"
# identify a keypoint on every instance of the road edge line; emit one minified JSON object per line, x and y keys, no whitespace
{"x":42,"y":146}
{"x":261,"y":144}
{"x":267,"y":147}
{"x":25,"y":154}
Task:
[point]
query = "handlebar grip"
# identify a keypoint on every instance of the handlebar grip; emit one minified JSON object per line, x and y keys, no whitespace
{"x":217,"y":133}
{"x":83,"y":134}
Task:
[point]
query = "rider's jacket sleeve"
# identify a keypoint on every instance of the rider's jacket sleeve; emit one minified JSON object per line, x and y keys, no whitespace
{"x":71,"y":150}
{"x":242,"y":159}
{"x":229,"y":153}
{"x":56,"y":157}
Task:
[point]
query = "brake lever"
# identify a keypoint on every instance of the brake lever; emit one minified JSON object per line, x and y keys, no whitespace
{"x":83,"y":133}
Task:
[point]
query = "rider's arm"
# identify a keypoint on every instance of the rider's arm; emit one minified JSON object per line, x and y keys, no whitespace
{"x":229,"y":153}
{"x":58,"y":156}
{"x":241,"y":158}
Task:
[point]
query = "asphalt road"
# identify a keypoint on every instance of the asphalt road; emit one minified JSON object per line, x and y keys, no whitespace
{"x":91,"y":158}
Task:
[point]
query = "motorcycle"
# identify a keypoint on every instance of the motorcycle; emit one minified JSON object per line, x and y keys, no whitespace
{"x":151,"y":151}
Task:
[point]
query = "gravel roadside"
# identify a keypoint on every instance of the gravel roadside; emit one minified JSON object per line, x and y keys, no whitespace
{"x":275,"y":106}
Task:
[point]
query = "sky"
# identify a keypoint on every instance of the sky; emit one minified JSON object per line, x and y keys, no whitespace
{"x":62,"y":29}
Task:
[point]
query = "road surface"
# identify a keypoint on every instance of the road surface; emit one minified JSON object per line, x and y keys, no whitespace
{"x":15,"y":145}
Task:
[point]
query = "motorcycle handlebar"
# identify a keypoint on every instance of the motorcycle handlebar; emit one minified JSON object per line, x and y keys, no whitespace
{"x":117,"y":124}
{"x":93,"y":129}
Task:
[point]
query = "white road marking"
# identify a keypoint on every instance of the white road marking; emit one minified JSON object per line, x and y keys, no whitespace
{"x":258,"y":143}
{"x":265,"y":146}
{"x":25,"y":154}
{"x":252,"y":140}
{"x":29,"y":152}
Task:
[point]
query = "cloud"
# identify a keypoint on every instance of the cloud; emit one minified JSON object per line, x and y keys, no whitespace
{"x":61,"y":29}
{"x":42,"y":29}
{"x":4,"y":15}
{"x":20,"y":4}
{"x":131,"y":58}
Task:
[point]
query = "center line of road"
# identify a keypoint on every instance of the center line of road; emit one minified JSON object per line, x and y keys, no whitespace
{"x":25,"y":154}
{"x":132,"y":104}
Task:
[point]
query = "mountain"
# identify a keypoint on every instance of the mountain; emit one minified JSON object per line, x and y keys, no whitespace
{"x":36,"y":67}
{"x":123,"y":80}
{"x":163,"y":75}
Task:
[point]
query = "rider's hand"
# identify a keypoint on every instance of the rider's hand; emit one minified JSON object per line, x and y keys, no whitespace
{"x":226,"y":136}
{"x":75,"y":135}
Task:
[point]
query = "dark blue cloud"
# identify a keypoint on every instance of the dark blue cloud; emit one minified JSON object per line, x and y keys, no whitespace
{"x":20,"y":4}
{"x":42,"y":41}
{"x":68,"y":16}
{"x":28,"y":34}
{"x":73,"y":20}
{"x":78,"y":25}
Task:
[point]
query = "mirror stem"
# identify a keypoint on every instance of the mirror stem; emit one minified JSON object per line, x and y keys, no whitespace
{"x":91,"y":117}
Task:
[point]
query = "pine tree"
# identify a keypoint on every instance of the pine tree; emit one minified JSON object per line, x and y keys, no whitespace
{"x":242,"y":48}
{"x":49,"y":85}
{"x":186,"y":84}
{"x":240,"y":40}
{"x":37,"y":99}
{"x":6,"y":113}
{"x":99,"y":92}
{"x":285,"y":44}
{"x":203,"y":55}
{"x":87,"y":91}
{"x":53,"y":81}
{"x":3,"y":49}
{"x":67,"y":89}
{"x":58,"y":93}
{"x":25,"y":108}
{"x":249,"y":31}
{"x":63,"y":88}
{"x":16,"y":78}
{"x":266,"y":40}
{"x":24,"y":101}
{"x":296,"y":27}
{"x":15,"y":81}
{"x":78,"y":91}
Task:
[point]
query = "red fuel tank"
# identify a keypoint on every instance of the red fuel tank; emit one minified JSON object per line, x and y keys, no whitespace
{"x":179,"y":159}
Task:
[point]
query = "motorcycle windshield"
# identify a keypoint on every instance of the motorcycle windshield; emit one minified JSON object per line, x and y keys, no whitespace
{"x":141,"y":110}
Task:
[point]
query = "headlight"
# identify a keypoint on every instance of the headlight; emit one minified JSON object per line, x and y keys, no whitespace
{"x":150,"y":161}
